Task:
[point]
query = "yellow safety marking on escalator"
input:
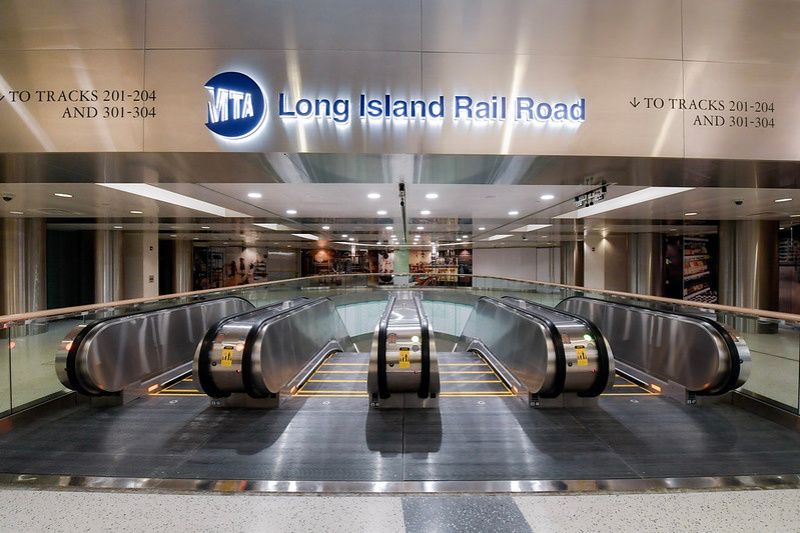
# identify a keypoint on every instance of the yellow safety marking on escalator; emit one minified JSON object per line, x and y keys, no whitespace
{"x":463,"y":364}
{"x":307,"y":395}
{"x":173,"y":394}
{"x":344,"y":364}
{"x":476,"y":393}
{"x":312,"y":392}
{"x":468,"y":372}
{"x":630,"y":394}
{"x":341,"y":372}
{"x":471,"y":381}
{"x":636,"y":386}
{"x":336,"y":381}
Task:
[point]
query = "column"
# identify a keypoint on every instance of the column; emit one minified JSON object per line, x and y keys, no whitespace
{"x":108,"y":275}
{"x":645,"y":264}
{"x":182,"y":266}
{"x":572,"y":263}
{"x":748,"y":264}
{"x":22,"y":265}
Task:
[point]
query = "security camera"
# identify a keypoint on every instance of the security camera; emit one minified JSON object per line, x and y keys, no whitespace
{"x":524,"y":237}
{"x":738,"y":202}
{"x":7,"y":196}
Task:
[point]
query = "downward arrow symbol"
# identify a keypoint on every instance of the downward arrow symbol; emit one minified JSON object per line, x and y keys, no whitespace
{"x":2,"y":97}
{"x":635,"y":102}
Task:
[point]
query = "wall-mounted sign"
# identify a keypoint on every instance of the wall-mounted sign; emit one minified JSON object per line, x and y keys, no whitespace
{"x":236,"y":106}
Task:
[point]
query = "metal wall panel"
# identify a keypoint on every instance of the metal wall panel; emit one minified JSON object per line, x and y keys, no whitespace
{"x":753,"y":84}
{"x":743,"y":31}
{"x":284,"y":24}
{"x":612,"y":28}
{"x":38,"y":127}
{"x":612,"y":126}
{"x":179,"y":76}
{"x":71,"y":24}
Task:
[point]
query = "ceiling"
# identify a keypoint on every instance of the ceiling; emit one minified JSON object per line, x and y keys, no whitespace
{"x":478,"y":196}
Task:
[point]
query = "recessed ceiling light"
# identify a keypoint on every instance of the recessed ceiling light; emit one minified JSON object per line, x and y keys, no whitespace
{"x":173,"y":235}
{"x":62,"y":195}
{"x":326,"y":228}
{"x":163,"y":195}
{"x":547,"y":197}
{"x":513,"y":213}
{"x":344,"y":235}
{"x":482,"y":228}
{"x":420,"y":228}
{"x":465,"y":236}
{"x":205,"y":227}
{"x":135,"y":212}
{"x":458,"y":238}
{"x":373,"y":196}
{"x":291,"y":211}
{"x":425,"y":212}
{"x":781,"y":200}
{"x":390,"y":228}
{"x":379,"y":242}
{"x":394,"y":236}
{"x":496,"y":237}
{"x":382,"y":212}
{"x":351,"y":239}
{"x":431,"y":196}
{"x":117,"y":227}
{"x":195,"y":238}
{"x":308,"y":236}
{"x":254,"y":195}
{"x":689,"y":214}
{"x":16,"y":212}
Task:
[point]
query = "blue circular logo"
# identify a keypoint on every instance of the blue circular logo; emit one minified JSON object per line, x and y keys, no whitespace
{"x":236,"y":105}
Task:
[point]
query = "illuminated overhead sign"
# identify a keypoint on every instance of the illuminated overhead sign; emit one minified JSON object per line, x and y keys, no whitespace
{"x":237,"y":107}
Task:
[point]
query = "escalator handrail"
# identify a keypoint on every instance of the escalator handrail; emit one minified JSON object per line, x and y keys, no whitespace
{"x":733,"y":352}
{"x":76,"y":343}
{"x":204,"y":350}
{"x":383,"y":327}
{"x":604,"y":365}
{"x":560,"y":378}
{"x":425,"y":375}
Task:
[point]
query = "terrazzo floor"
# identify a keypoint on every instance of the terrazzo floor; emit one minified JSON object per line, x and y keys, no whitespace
{"x":747,"y":511}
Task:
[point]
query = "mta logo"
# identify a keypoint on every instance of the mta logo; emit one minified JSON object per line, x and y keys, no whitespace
{"x":236,"y":105}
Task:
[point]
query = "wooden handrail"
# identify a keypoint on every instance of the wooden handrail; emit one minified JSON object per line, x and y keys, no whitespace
{"x":9,"y":320}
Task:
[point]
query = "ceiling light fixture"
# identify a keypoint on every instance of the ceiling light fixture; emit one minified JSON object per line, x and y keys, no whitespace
{"x":425,"y":212}
{"x":547,"y":197}
{"x":173,"y":235}
{"x":291,"y":211}
{"x":513,"y":213}
{"x":420,"y":228}
{"x":163,"y":195}
{"x":16,"y":212}
{"x":326,"y":228}
{"x":626,"y":200}
{"x":135,"y":212}
{"x":205,"y":227}
{"x":254,"y":195}
{"x":781,"y":200}
{"x":690,"y":214}
{"x":117,"y":227}
{"x":62,"y":195}
{"x":531,"y":227}
{"x":373,"y":195}
{"x":431,"y":196}
{"x":344,"y":235}
{"x":306,"y":236}
{"x":382,"y":212}
{"x":482,"y":228}
{"x":496,"y":237}
{"x":465,"y":236}
{"x":351,"y":239}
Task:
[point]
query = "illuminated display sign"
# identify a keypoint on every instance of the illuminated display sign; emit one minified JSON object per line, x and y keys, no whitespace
{"x":237,"y":107}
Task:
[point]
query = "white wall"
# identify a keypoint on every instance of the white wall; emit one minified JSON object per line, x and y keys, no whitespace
{"x":536,"y":264}
{"x":140,"y":271}
{"x":605,"y":262}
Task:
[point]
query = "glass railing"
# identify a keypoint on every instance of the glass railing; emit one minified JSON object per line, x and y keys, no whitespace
{"x":28,"y":343}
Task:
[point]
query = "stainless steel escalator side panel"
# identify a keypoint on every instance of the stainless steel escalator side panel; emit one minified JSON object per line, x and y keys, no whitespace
{"x":580,"y":341}
{"x":284,"y":347}
{"x":691,"y":351}
{"x":261,"y":353}
{"x":106,"y":356}
{"x":403,"y":343}
{"x":523,"y":346}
